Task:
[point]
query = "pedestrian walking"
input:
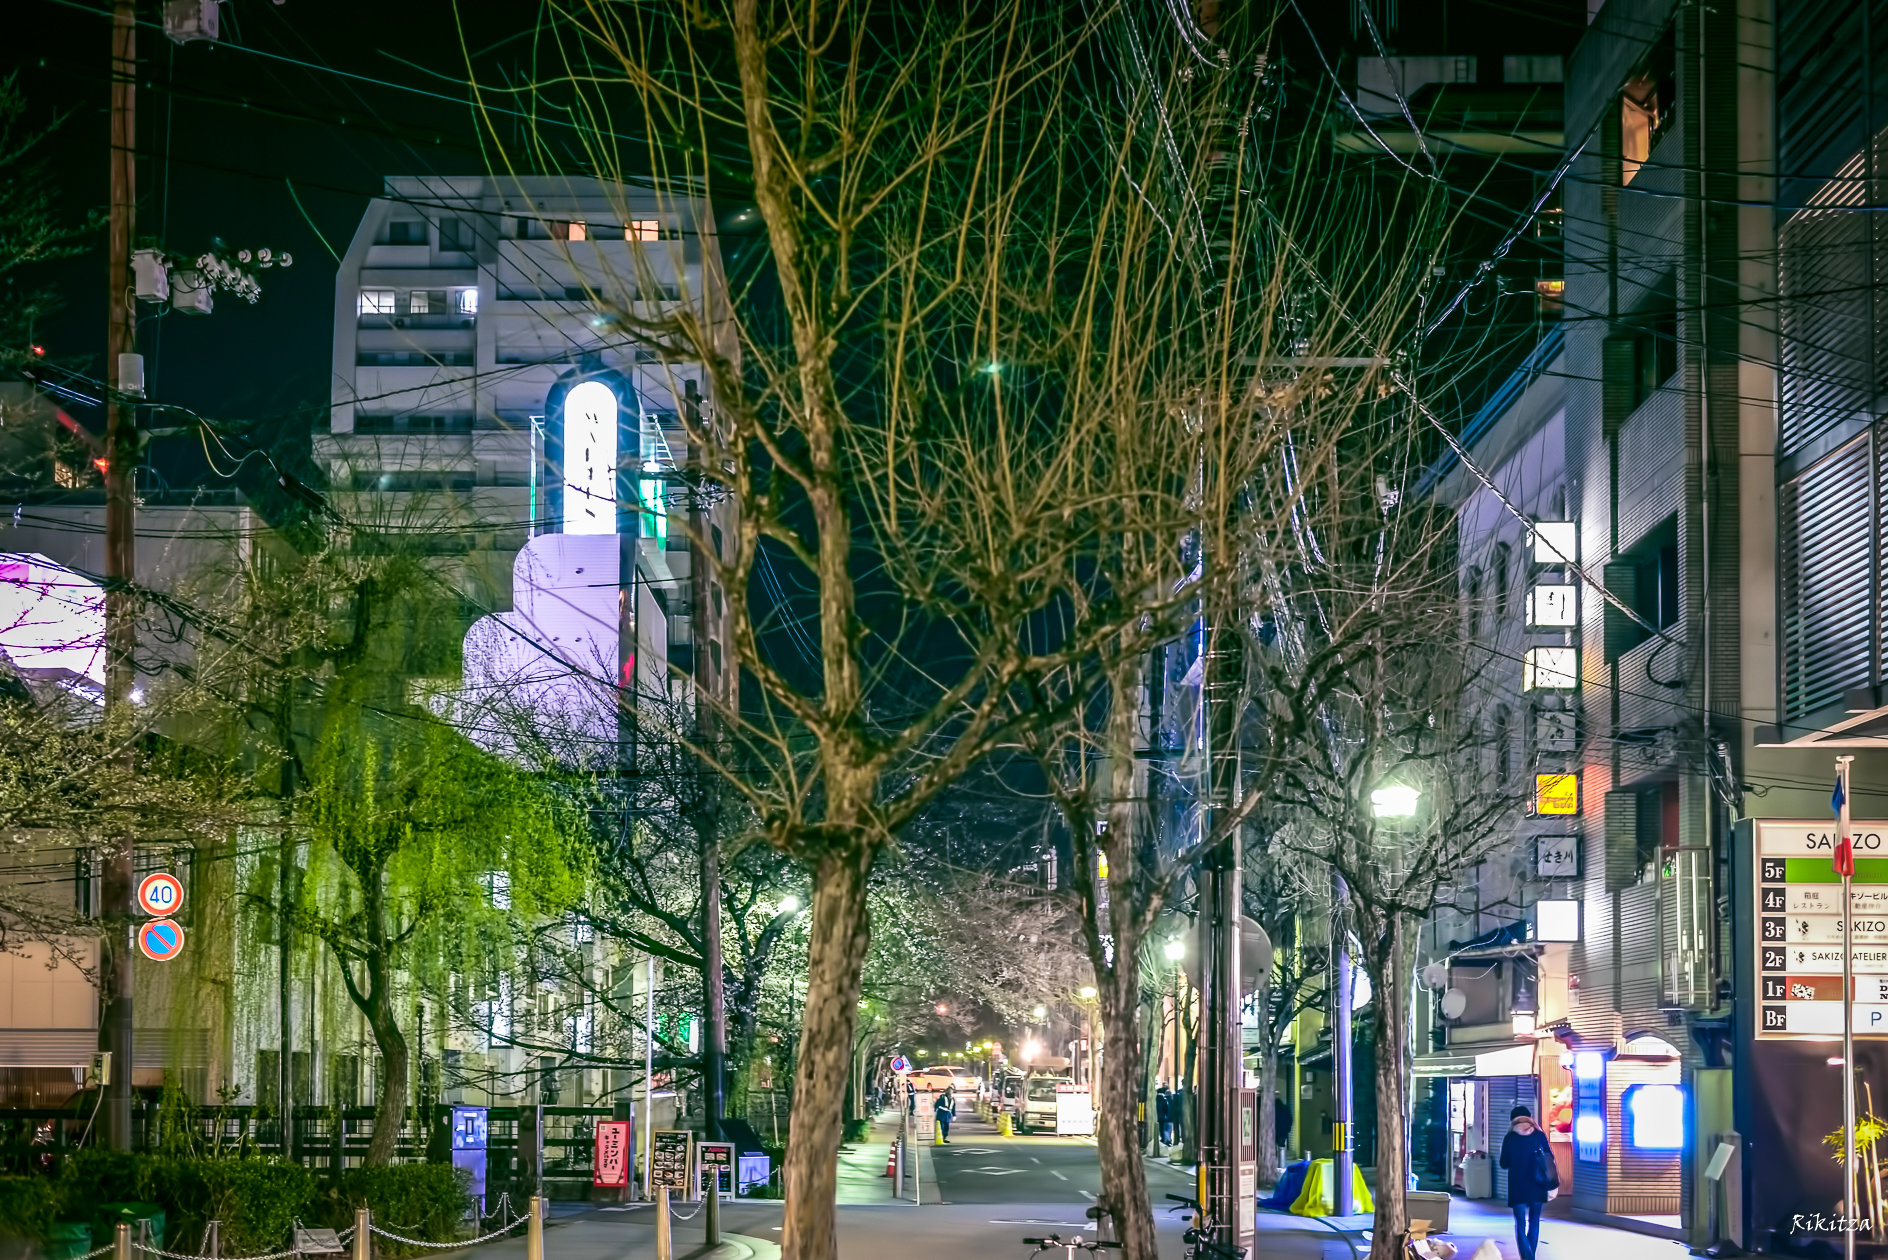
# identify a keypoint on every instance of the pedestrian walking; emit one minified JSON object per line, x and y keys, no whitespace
{"x":1163,"y":1113}
{"x":1281,"y":1124}
{"x":945,"y":1109}
{"x":1532,"y":1178}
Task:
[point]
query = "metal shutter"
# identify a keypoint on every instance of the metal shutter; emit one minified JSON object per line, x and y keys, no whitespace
{"x":1826,"y":338}
{"x":1825,"y":573}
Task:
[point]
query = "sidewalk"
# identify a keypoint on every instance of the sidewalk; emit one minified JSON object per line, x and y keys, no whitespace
{"x":862,"y":1179}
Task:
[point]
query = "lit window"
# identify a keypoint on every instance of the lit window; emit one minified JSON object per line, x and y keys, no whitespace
{"x":1550,"y":669}
{"x":579,"y":231}
{"x":468,"y":301}
{"x":416,"y":303}
{"x":376,"y":301}
{"x":645,"y":230}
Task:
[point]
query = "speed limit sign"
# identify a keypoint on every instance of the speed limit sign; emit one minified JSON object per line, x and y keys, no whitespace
{"x":160,"y":894}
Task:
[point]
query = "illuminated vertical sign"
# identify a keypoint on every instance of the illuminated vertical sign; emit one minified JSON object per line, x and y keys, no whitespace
{"x":590,"y":426}
{"x":1557,"y":794}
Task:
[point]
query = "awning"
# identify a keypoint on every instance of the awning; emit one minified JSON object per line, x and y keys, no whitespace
{"x":1442,"y":1063}
{"x":1509,"y":1061}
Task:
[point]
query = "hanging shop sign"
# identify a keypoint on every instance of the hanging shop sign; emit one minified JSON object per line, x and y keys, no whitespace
{"x":1557,"y":795}
{"x":1798,"y":929}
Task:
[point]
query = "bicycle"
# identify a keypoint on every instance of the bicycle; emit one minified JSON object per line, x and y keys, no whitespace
{"x":1071,"y":1245}
{"x":1199,"y":1235}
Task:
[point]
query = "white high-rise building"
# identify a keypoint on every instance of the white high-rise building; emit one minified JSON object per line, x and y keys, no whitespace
{"x":486,"y":392}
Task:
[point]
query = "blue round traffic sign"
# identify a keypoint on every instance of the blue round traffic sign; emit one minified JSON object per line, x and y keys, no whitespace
{"x":161,"y":940}
{"x":901,"y":1064}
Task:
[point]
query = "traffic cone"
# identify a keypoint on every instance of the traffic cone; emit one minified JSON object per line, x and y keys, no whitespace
{"x":891,"y":1159}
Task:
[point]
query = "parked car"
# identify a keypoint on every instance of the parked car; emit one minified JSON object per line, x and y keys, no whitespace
{"x":937,"y":1076}
{"x":1039,"y":1104}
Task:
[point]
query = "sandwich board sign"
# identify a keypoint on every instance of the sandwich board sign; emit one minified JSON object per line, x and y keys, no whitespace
{"x":714,"y":1159}
{"x":668,"y":1159}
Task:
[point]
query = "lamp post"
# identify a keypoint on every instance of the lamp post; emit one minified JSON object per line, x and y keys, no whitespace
{"x":1088,"y":1035}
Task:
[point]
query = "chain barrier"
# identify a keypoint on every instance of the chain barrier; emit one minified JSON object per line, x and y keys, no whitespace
{"x":436,"y":1246}
{"x":97,"y":1252}
{"x":343,"y":1235}
{"x":692,"y":1215}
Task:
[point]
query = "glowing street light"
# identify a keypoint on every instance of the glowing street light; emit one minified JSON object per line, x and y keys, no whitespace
{"x":789,"y":904}
{"x":1088,"y":993}
{"x":1041,"y":1012}
{"x":1176,"y":949}
{"x":1396,"y":801}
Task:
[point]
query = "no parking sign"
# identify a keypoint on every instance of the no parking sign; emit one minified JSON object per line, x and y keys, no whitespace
{"x":161,"y":940}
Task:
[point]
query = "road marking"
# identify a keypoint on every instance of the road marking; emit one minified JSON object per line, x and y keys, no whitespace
{"x":1088,"y":1195}
{"x":1058,"y":1224}
{"x":1034,"y":1160}
{"x":1057,"y":1175}
{"x":991,"y":1171}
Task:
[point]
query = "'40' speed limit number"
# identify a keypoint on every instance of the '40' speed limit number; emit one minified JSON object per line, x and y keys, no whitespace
{"x":160,"y":894}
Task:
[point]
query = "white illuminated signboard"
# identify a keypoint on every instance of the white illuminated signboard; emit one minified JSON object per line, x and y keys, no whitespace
{"x":1797,"y":923}
{"x":1552,"y":604}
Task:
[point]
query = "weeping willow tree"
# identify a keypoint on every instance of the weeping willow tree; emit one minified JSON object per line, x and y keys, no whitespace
{"x":413,"y":834}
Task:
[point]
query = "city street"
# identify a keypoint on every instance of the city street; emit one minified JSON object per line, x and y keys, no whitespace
{"x":997,"y":1190}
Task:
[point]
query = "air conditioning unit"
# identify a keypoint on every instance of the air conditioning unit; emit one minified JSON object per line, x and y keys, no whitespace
{"x":151,"y":275}
{"x":190,"y":293}
{"x":187,"y":20}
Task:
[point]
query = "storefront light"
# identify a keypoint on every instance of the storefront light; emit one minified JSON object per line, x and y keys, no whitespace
{"x":1655,"y":1117}
{"x":1589,"y":1066}
{"x":1589,"y":1130}
{"x":1556,"y":542}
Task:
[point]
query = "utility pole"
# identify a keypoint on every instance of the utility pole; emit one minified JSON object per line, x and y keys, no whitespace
{"x":714,"y":1044}
{"x":120,"y":631}
{"x":1343,"y":1127}
{"x":1222,"y":1060}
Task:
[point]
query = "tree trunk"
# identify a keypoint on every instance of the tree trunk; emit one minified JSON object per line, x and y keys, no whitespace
{"x":1268,"y":1108}
{"x":390,"y":1106}
{"x":835,"y":960}
{"x":1390,"y":1238}
{"x":1123,"y":1175}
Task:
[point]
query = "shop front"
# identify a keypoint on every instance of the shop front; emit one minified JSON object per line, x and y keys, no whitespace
{"x":1629,"y":1112}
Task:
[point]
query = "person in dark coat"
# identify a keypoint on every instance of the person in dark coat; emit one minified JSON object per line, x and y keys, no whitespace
{"x":1529,"y":1159}
{"x":1163,"y":1113}
{"x":945,"y":1109}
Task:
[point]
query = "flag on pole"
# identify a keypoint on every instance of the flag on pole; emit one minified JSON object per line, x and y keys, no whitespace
{"x":1845,"y":852}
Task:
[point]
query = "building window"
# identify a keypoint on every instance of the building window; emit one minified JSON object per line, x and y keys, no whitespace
{"x":1503,"y":743}
{"x":1473,"y":597}
{"x":1646,"y":579}
{"x":1647,"y":105}
{"x":644,"y":230}
{"x":1655,"y":829}
{"x":1504,"y":595}
{"x":406,"y":232}
{"x":377,"y":301}
{"x":453,"y":236}
{"x":468,"y":301}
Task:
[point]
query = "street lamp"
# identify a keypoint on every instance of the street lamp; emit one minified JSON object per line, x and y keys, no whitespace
{"x":789,"y":904}
{"x":1176,"y":949}
{"x":1395,"y":801}
{"x":1041,"y":1012}
{"x":1088,"y":993}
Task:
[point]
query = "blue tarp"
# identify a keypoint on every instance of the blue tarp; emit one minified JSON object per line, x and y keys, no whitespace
{"x":1291,"y":1184}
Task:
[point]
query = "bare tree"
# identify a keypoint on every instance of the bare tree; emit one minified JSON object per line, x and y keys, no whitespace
{"x":1401,"y":718}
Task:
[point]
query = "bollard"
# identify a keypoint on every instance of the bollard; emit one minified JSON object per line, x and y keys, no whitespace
{"x":363,"y":1235}
{"x":534,"y":1237}
{"x":712,"y":1206}
{"x":213,"y":1240}
{"x":121,"y":1241}
{"x":665,"y":1245}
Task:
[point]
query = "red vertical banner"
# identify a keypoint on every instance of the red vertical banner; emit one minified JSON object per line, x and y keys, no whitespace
{"x":611,"y":1167}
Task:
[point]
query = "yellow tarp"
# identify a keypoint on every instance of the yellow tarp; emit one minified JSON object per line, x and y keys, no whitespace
{"x":1321,"y":1183}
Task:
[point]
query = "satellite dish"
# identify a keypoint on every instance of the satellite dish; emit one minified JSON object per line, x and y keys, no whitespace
{"x":1435,"y":976}
{"x":1454,"y":1002}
